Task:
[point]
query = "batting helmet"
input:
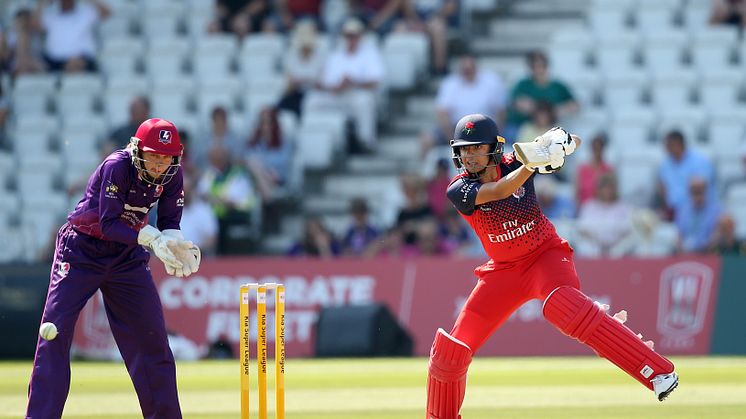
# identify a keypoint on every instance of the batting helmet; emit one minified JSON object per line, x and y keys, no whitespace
{"x":476,"y":129}
{"x":157,"y":136}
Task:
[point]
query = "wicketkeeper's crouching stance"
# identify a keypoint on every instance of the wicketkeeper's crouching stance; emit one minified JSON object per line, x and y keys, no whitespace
{"x":528,"y":260}
{"x":103,"y":247}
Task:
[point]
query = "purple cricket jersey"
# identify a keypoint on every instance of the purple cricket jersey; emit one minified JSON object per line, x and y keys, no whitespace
{"x":97,"y":250}
{"x":116,"y":202}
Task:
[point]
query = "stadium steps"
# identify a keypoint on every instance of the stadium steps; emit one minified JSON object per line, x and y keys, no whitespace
{"x":527,"y":25}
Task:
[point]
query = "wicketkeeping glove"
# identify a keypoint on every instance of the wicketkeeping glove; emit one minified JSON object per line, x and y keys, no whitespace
{"x":158,"y":243}
{"x":186,"y":252}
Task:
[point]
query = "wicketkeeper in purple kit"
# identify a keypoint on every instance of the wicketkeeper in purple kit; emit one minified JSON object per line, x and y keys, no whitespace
{"x":103,"y":247}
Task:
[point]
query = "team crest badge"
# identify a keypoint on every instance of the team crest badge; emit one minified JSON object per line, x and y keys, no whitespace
{"x":519,"y":193}
{"x":164,"y":136}
{"x":63,"y":269}
{"x":158,"y":191}
{"x":468,"y":127}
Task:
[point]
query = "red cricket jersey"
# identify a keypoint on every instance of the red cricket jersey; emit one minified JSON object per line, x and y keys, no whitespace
{"x":510,"y":228}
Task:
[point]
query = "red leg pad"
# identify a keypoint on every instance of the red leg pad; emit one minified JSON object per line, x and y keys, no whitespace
{"x":446,"y":379}
{"x":577,"y":316}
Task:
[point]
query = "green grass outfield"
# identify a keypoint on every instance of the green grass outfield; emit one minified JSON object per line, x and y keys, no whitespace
{"x":523,"y":388}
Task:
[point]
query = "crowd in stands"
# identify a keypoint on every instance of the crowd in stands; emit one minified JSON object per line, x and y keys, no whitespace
{"x":235,"y":167}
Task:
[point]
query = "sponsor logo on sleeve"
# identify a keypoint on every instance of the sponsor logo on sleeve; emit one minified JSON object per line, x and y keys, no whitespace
{"x":111,"y":190}
{"x":180,"y":201}
{"x":465,"y":189}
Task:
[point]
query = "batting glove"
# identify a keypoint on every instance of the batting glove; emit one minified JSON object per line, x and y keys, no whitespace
{"x":556,"y":159}
{"x":534,"y":154}
{"x":558,"y":135}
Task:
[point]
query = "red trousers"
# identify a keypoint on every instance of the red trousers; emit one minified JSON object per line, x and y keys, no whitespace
{"x":503,"y":287}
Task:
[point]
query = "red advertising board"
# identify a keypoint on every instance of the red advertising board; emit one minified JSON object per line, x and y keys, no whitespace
{"x":668,"y":300}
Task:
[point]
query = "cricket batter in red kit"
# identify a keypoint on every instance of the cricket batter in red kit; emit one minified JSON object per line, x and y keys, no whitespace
{"x":495,"y":195}
{"x":103,"y":247}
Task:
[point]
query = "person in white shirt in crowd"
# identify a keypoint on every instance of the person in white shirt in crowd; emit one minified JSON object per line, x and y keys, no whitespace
{"x":350,"y":80}
{"x":303,"y":65}
{"x":70,"y":28}
{"x":198,"y":220}
{"x":597,"y":233}
{"x":469,"y":90}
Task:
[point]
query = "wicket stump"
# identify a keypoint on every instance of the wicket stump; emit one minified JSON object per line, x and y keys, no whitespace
{"x":261,"y":348}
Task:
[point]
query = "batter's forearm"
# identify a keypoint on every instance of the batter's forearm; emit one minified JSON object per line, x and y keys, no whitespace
{"x":503,"y":188}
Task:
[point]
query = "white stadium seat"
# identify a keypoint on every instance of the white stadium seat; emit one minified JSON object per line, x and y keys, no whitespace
{"x":315,"y":148}
{"x":569,"y":50}
{"x":713,"y":46}
{"x":30,"y":141}
{"x":624,"y":89}
{"x":260,"y":54}
{"x":327,"y":120}
{"x":161,"y":18}
{"x":37,"y":182}
{"x":721,"y":135}
{"x":664,"y":48}
{"x":415,"y":44}
{"x":656,"y":15}
{"x":119,"y":57}
{"x":166,"y":57}
{"x":721,"y":87}
{"x":696,"y":16}
{"x":35,"y":83}
{"x":609,"y":19}
{"x":617,"y":52}
{"x":118,"y":96}
{"x":585,"y":86}
{"x":213,"y":56}
{"x":171,"y":96}
{"x":671,"y":89}
{"x":114,"y":26}
{"x":31,"y":93}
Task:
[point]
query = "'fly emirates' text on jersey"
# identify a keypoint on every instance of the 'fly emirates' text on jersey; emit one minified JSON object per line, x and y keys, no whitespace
{"x":116,"y":202}
{"x":510,"y":228}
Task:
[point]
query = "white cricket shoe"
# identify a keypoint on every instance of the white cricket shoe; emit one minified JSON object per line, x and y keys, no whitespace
{"x":664,"y":384}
